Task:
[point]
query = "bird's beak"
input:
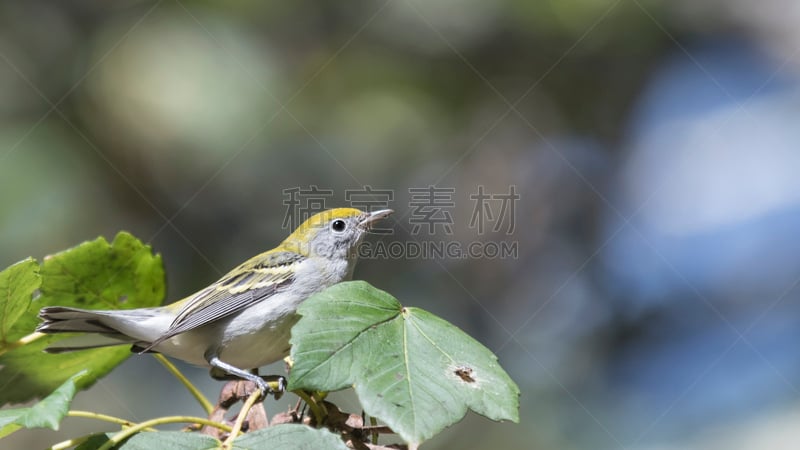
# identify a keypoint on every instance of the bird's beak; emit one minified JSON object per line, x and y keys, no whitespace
{"x":374,"y":217}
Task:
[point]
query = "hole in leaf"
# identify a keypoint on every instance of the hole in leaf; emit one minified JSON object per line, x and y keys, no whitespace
{"x":465,"y":373}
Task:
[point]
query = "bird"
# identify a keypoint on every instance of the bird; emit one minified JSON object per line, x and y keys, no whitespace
{"x":243,"y":320}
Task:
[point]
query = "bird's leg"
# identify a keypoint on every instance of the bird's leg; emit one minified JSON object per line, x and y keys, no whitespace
{"x":276,"y":386}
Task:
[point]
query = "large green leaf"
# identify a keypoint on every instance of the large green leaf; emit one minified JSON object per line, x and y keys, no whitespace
{"x":413,"y":370}
{"x":289,"y":437}
{"x":93,"y":275}
{"x":17,"y":285}
{"x":161,"y":440}
{"x":279,"y":437}
{"x":47,"y":413}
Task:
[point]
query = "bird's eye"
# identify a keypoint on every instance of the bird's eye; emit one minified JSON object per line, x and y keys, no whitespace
{"x":338,"y":225}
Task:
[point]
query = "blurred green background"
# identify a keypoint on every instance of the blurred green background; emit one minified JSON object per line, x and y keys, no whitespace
{"x":654,"y":146}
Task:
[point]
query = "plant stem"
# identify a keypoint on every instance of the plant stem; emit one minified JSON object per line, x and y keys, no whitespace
{"x":22,"y":341}
{"x":374,"y":422}
{"x":125,"y":434}
{"x":237,"y":426}
{"x":69,"y":443}
{"x":207,"y":406}
{"x":104,"y":417}
{"x":319,"y":415}
{"x":319,"y":399}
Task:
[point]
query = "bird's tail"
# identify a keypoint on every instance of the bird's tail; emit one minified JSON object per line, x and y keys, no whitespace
{"x":103,"y":327}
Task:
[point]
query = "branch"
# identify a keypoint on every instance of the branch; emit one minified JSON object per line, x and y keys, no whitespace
{"x":207,"y":406}
{"x":125,"y":434}
{"x":237,"y":426}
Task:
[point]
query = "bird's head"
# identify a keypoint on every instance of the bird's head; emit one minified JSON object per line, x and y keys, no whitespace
{"x":335,"y":233}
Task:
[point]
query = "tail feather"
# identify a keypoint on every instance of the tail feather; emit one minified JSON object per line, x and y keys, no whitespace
{"x":60,"y":319}
{"x":104,"y":328}
{"x":88,"y":341}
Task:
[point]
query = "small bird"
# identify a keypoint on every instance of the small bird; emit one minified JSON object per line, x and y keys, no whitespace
{"x":243,"y":320}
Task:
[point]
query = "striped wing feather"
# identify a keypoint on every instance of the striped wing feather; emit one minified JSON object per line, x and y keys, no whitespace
{"x":254,"y":281}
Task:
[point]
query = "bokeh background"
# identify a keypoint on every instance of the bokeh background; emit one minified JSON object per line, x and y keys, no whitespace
{"x":654,"y":145}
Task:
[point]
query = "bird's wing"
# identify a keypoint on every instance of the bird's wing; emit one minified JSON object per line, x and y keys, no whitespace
{"x":254,"y":281}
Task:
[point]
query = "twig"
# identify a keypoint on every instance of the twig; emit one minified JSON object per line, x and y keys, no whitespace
{"x":319,"y":415}
{"x":237,"y":426}
{"x":207,"y":406}
{"x":125,"y":434}
{"x":69,"y":443}
{"x":375,"y":433}
{"x":25,"y":340}
{"x":104,"y":417}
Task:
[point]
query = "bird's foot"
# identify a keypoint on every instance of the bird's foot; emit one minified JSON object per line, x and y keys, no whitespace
{"x":270,"y":384}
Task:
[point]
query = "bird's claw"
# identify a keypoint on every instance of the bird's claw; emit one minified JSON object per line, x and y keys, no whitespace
{"x":275,"y":385}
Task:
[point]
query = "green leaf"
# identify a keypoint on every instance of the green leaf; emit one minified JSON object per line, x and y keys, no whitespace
{"x":45,"y":414}
{"x":17,"y":285}
{"x":413,"y":370}
{"x":8,"y":423}
{"x":94,"y":441}
{"x":289,"y":437}
{"x":94,"y":275}
{"x":279,"y":437}
{"x":162,"y":440}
